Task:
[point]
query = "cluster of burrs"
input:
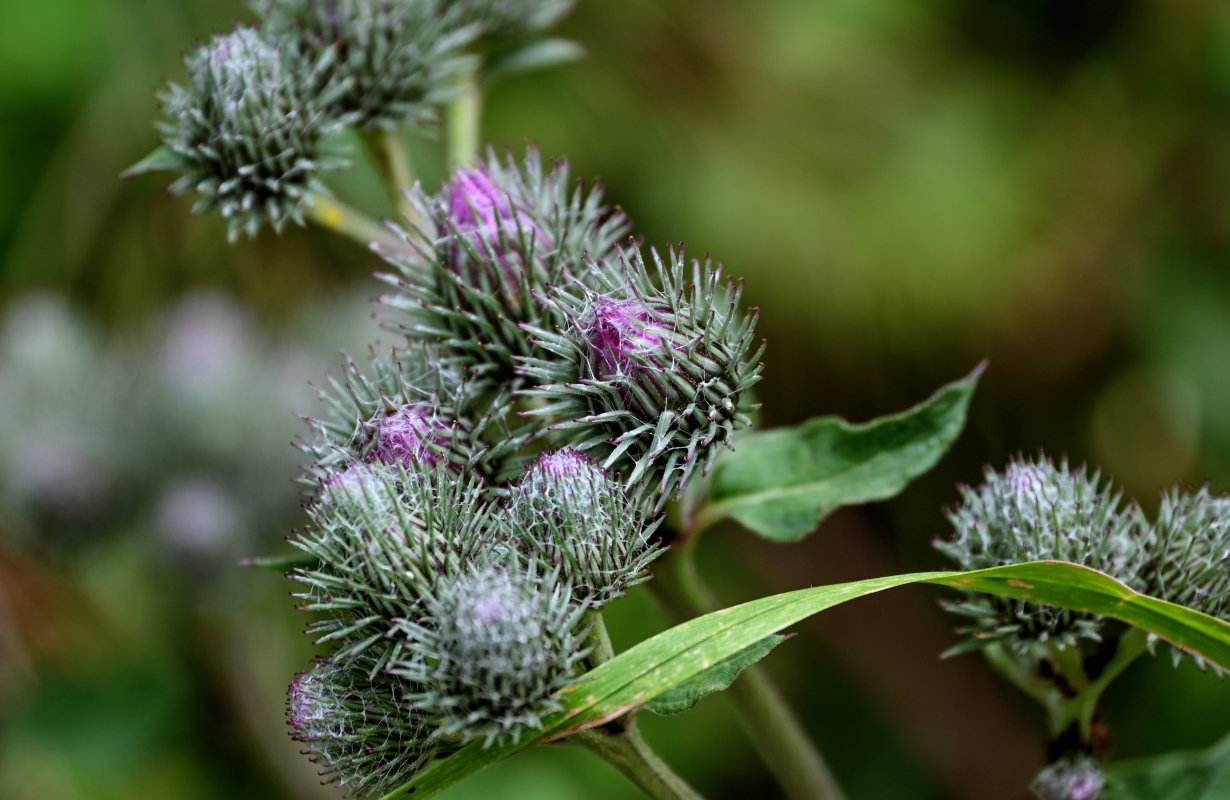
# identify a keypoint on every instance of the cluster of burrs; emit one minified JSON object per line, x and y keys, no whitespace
{"x":481,"y":491}
{"x":1036,"y":510}
{"x":253,"y":130}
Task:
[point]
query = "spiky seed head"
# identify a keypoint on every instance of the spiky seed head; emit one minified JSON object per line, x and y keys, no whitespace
{"x":1190,"y":555}
{"x":499,"y":235}
{"x":650,"y":370}
{"x":246,"y":133}
{"x":386,"y":62}
{"x":566,"y":512}
{"x":1037,"y":510}
{"x":358,"y":727}
{"x":499,"y":642}
{"x":412,"y":404}
{"x":384,"y":537}
{"x":1073,"y":778}
{"x":504,"y":19}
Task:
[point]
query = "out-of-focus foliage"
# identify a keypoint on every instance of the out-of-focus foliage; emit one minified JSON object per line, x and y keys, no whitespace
{"x":907,"y":187}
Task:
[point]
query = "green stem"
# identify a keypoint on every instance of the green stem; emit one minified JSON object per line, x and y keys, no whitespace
{"x":388,"y":153}
{"x":464,"y":116}
{"x":1069,"y":696}
{"x":599,"y":641}
{"x":626,"y":750}
{"x":776,"y":733}
{"x":336,"y":216}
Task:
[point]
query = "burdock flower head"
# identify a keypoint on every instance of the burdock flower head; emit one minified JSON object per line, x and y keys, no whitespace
{"x":410,"y":406}
{"x":413,"y":434}
{"x":568,"y":514}
{"x":1037,"y":510}
{"x":383,"y":538}
{"x":246,"y":133}
{"x":497,"y":236}
{"x":387,"y":62}
{"x":358,"y":727}
{"x":497,"y":644}
{"x":650,"y":369}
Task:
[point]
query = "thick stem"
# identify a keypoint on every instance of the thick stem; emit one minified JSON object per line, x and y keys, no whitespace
{"x":776,"y":733}
{"x":388,"y":153}
{"x":1069,"y":696}
{"x":465,"y":121}
{"x":599,"y":640}
{"x":328,"y":212}
{"x":627,"y":751}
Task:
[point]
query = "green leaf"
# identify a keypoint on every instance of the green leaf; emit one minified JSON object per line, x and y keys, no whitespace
{"x":676,"y":656}
{"x":1194,"y":775}
{"x":781,"y":483}
{"x":540,"y":54}
{"x":715,"y":679}
{"x":161,"y":159}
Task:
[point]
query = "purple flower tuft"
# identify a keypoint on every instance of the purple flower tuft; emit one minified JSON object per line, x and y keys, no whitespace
{"x":564,"y":464}
{"x":412,"y":436}
{"x":620,"y":331}
{"x":479,"y":209}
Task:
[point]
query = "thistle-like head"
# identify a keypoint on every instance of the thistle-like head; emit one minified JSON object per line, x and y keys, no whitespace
{"x":356,"y":724}
{"x":381,"y":63}
{"x":498,"y":643}
{"x":568,"y":514}
{"x":1036,"y":510}
{"x":650,"y":369}
{"x":1073,"y":778}
{"x":245,"y":132}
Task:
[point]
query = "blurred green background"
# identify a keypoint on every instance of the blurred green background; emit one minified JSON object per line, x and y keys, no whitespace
{"x":908,"y":188}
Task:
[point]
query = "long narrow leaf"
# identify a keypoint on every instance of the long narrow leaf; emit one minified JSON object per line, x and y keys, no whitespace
{"x":676,"y":656}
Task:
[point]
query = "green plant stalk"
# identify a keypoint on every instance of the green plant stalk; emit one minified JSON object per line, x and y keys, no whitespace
{"x":776,"y":733}
{"x":599,"y":641}
{"x":388,"y":153}
{"x":1080,"y":703}
{"x":625,"y":749}
{"x":330,"y":213}
{"x":464,"y":121}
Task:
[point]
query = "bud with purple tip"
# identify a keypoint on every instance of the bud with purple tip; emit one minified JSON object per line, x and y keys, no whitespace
{"x":501,"y":234}
{"x":492,"y":238}
{"x":358,"y":727}
{"x":1036,"y":510}
{"x":650,"y":372}
{"x":413,"y":435}
{"x":497,"y":644}
{"x":567,"y":513}
{"x":1078,"y":778}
